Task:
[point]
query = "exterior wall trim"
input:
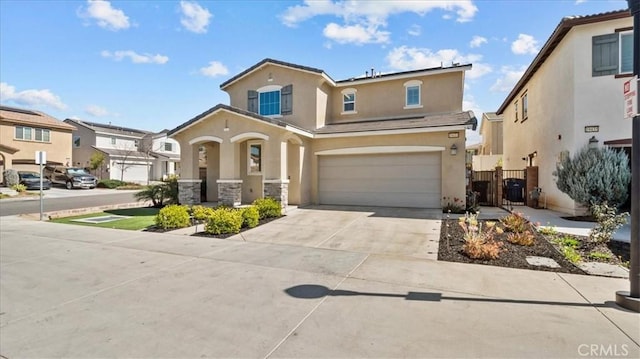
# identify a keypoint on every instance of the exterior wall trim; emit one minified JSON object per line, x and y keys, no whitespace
{"x":380,"y":149}
{"x":276,"y":181}
{"x":204,"y":139}
{"x":391,"y":132}
{"x":189,"y":181}
{"x":247,"y":135}
{"x":228,"y":181}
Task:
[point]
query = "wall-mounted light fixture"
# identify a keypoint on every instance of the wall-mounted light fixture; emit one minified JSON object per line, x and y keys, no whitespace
{"x":593,"y":142}
{"x":454,"y":149}
{"x":226,"y":125}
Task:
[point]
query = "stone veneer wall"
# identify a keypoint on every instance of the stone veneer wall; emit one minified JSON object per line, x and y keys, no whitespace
{"x":189,"y":191}
{"x":230,"y":193}
{"x":277,"y":190}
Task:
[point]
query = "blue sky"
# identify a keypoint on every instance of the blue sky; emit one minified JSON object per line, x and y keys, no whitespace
{"x":155,"y":64}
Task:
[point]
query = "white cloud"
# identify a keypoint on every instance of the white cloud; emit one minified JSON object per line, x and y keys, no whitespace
{"x":578,"y":2}
{"x":96,"y":111}
{"x":356,"y":34}
{"x":410,"y":58}
{"x":477,"y":41}
{"x":510,"y":77}
{"x":135,"y":57}
{"x":30,"y":97}
{"x":214,"y":69}
{"x":194,"y":18}
{"x":414,"y":30}
{"x":105,"y":16}
{"x":365,"y":20}
{"x":525,"y":44}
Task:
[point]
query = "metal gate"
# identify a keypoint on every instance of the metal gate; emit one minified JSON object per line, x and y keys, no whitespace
{"x":514,"y":185}
{"x":483,"y":183}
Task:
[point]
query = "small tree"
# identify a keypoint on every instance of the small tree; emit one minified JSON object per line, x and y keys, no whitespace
{"x":595,"y":176}
{"x":96,"y":161}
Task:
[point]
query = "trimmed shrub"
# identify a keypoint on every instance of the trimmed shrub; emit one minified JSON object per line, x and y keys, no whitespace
{"x":11,"y":177}
{"x":110,"y":183}
{"x":201,"y":213}
{"x":268,"y":207}
{"x":595,"y":176}
{"x":224,"y":221}
{"x":19,"y":187}
{"x":250,"y":217}
{"x":172,"y":217}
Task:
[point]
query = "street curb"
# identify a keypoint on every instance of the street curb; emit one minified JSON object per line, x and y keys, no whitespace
{"x":81,"y":211}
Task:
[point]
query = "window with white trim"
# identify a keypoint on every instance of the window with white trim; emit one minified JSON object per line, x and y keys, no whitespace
{"x":413,"y":94}
{"x":525,"y":107}
{"x":349,"y":101}
{"x":168,"y":147}
{"x":254,"y":158}
{"x":612,"y":54}
{"x":113,"y":140}
{"x":32,"y":134}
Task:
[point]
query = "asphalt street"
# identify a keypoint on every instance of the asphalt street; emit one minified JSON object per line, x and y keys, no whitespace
{"x":75,"y":199}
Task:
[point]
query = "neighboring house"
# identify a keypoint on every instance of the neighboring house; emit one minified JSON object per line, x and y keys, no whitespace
{"x":293,"y":133}
{"x":23,"y":132}
{"x":165,"y":152}
{"x":571,"y":94}
{"x":490,"y":151}
{"x":119,"y":146}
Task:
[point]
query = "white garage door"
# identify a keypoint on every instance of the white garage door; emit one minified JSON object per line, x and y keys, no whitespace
{"x":395,"y":180}
{"x":134,"y":172}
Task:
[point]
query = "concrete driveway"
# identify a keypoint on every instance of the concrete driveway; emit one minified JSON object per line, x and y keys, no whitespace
{"x":373,"y":230}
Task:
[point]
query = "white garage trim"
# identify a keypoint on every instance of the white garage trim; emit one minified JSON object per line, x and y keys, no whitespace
{"x":380,"y":149}
{"x":205,"y":139}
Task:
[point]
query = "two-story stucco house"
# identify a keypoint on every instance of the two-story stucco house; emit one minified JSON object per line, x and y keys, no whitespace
{"x":119,"y":146}
{"x":293,"y":133}
{"x":165,"y":152}
{"x":490,"y":149}
{"x":572,"y":93}
{"x":23,"y":132}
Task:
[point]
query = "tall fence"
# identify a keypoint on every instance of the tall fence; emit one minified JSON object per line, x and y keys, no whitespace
{"x":505,"y":187}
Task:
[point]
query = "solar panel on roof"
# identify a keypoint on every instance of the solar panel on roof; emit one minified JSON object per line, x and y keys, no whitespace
{"x":19,"y":110}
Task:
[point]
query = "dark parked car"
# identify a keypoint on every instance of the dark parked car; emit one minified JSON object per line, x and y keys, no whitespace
{"x":70,"y":177}
{"x":31,"y":180}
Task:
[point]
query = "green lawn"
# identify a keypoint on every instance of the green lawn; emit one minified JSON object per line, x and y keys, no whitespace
{"x":141,"y":218}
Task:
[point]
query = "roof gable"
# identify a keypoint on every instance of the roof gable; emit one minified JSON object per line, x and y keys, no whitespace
{"x":269,"y":61}
{"x":565,"y":25}
{"x":34,"y":118}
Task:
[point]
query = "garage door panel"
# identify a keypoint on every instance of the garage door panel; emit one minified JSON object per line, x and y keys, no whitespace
{"x":404,"y":180}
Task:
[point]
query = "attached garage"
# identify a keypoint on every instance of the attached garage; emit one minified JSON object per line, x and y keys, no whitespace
{"x":386,"y":179}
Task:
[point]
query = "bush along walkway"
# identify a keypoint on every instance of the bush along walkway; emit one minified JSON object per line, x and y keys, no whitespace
{"x":220,"y":222}
{"x":514,"y":242}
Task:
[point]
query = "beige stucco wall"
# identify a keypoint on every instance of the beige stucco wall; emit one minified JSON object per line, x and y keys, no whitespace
{"x":492,"y":133}
{"x":563,"y":98}
{"x":305,"y":92}
{"x":58,"y":149}
{"x":440,"y":93}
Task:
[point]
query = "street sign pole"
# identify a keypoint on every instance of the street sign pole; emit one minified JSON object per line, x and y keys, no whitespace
{"x":631,"y":299}
{"x":41,"y":159}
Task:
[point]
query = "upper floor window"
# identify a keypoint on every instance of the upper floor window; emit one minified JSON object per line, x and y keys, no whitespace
{"x":168,"y":147}
{"x":113,"y":140}
{"x":32,"y":134}
{"x":612,"y":54}
{"x":525,"y":107}
{"x":272,"y":100}
{"x":515,"y":108}
{"x":349,"y":101}
{"x":76,"y":141}
{"x":413,"y":94}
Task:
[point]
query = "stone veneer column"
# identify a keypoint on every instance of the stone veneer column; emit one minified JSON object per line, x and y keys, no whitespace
{"x":189,"y":191}
{"x":277,"y":189}
{"x":230,"y":192}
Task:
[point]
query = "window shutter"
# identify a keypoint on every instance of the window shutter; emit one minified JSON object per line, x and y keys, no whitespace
{"x":604,"y":55}
{"x":286,"y":100}
{"x":252,"y":101}
{"x":626,"y":53}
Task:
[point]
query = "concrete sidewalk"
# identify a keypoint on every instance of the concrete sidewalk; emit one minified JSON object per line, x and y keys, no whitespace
{"x":90,"y":292}
{"x":549,"y":218}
